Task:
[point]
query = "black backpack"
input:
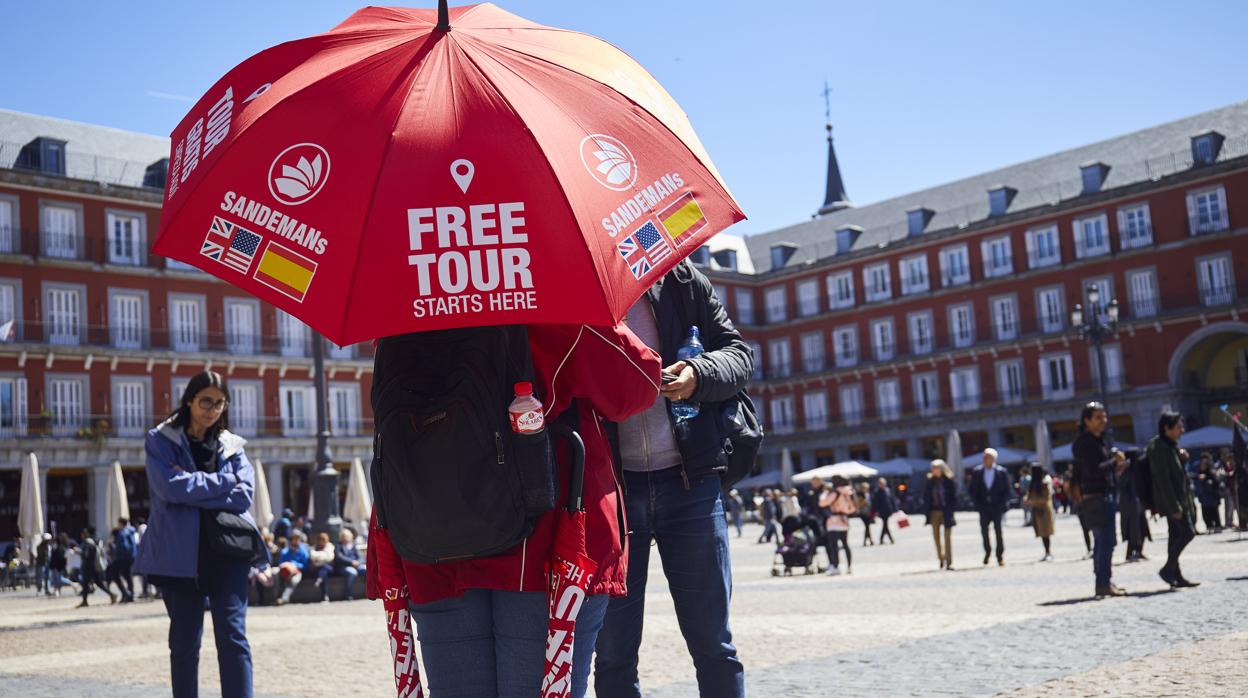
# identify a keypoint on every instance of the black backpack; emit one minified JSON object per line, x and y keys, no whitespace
{"x":451,"y":480}
{"x":1142,"y":477}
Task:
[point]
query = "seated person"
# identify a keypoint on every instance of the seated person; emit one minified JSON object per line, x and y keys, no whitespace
{"x":291,"y":563}
{"x":347,"y":562}
{"x":322,"y":555}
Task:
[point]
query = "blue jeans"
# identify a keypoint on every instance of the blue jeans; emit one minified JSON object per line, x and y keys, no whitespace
{"x":1103,"y":541}
{"x":229,"y":625}
{"x":692,"y":537}
{"x":350,"y":573}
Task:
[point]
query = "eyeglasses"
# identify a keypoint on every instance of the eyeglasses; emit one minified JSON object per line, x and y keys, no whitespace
{"x":207,"y":404}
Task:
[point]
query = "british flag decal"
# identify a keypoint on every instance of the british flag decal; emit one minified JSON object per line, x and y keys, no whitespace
{"x":644,"y":249}
{"x":230,"y":244}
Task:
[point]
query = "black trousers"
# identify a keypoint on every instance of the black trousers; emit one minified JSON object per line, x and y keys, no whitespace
{"x":840,"y":538}
{"x":1182,"y":532}
{"x":885,"y":532}
{"x":986,"y":520}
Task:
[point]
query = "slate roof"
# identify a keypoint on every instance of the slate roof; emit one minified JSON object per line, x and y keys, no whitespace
{"x":1134,"y":157}
{"x":97,"y":153}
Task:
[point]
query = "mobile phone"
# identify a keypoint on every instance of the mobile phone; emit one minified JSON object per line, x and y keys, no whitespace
{"x":669,"y":377}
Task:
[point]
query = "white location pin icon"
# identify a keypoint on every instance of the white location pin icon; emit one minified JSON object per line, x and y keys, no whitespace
{"x":462,"y":171}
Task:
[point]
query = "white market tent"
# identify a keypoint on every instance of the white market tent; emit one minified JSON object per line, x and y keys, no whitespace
{"x":1005,"y":456}
{"x":850,"y":469}
{"x":902,"y":467}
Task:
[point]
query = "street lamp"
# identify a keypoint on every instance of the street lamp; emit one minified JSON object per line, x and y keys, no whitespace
{"x":1095,"y":330}
{"x":324,"y":476}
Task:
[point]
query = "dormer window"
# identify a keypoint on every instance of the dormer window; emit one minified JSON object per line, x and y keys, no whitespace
{"x":726,"y":259}
{"x":701,"y":256}
{"x":999,"y":199}
{"x":1205,"y":147}
{"x":1093,"y":174}
{"x":846,"y":237}
{"x":917,"y":220}
{"x":46,"y":155}
{"x":781,"y":253}
{"x":156,"y":173}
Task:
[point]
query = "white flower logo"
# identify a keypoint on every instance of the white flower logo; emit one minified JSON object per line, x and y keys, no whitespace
{"x":298,"y":173}
{"x":609,"y":161}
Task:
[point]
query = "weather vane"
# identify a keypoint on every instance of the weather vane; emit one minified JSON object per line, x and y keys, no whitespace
{"x":827,"y":106}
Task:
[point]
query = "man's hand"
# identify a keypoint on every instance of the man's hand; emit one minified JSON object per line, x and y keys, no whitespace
{"x":686,"y":381}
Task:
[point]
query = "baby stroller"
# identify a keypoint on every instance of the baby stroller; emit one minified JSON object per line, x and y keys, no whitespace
{"x":796,"y":549}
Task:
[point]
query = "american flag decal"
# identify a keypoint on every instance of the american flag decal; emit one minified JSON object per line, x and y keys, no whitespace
{"x":644,"y":249}
{"x":230,"y":244}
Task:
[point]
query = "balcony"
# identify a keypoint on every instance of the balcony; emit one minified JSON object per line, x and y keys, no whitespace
{"x":1145,"y":306}
{"x":780,"y":369}
{"x":885,"y":351}
{"x":957,"y":278}
{"x":852,"y":417}
{"x":846,"y":358}
{"x":142,"y":338}
{"x":98,"y":427}
{"x":1205,"y":227}
{"x":1005,"y":331}
{"x":997,"y":267}
{"x":966,"y":403}
{"x":814,"y":364}
{"x":1217,"y":295}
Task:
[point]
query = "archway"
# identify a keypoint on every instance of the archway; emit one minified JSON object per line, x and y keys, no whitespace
{"x":1211,"y":366}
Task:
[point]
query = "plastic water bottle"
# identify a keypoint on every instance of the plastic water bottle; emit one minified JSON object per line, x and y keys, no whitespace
{"x":526,"y":411}
{"x":685,"y":410}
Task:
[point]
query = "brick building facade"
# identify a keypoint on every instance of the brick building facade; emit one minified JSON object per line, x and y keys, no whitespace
{"x":878,"y":329}
{"x":105,"y":335}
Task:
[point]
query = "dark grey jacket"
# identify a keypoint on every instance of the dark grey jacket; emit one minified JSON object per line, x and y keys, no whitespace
{"x":682,"y":298}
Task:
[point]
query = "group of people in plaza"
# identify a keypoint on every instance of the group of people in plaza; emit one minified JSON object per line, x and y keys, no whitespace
{"x":99,"y":565}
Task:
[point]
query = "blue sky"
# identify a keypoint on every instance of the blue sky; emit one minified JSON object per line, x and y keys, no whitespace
{"x":924,"y":92}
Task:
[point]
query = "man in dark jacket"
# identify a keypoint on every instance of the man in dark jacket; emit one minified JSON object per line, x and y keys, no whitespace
{"x":990,"y":490}
{"x":1097,"y":466}
{"x":671,"y":477}
{"x":885,"y":506}
{"x":91,"y":572}
{"x":1172,"y":494}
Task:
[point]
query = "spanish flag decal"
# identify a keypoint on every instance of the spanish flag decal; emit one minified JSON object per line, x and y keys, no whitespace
{"x":683,"y":218}
{"x":285,"y":271}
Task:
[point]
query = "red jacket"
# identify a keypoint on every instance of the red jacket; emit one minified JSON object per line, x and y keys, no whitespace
{"x":613,"y":376}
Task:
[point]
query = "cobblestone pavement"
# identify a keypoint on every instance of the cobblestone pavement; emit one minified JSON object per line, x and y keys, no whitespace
{"x":896,"y":627}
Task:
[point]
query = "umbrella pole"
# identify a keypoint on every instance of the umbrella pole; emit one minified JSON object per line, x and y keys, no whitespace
{"x":444,"y":17}
{"x":324,"y":477}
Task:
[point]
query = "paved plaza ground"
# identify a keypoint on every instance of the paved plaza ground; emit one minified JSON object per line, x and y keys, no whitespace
{"x":897,"y":627}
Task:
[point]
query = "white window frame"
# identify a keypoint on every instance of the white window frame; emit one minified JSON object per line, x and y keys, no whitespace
{"x":883,"y":339}
{"x":1135,"y":226}
{"x":182,"y":338}
{"x":1203,"y":218}
{"x":1106,"y":285}
{"x":922,"y":340}
{"x":888,"y":410}
{"x":1047,"y":389}
{"x":123,"y":333}
{"x":11,"y":300}
{"x":872,"y":273}
{"x":813,"y":354}
{"x":851,"y":409}
{"x":293,"y":397}
{"x":964,"y":394}
{"x":843,"y":359}
{"x":14,"y":405}
{"x":1005,"y":391}
{"x":780,"y":358}
{"x":930,"y":381}
{"x":913,"y":273}
{"x":744,"y":298}
{"x":959,"y":275}
{"x":242,"y":422}
{"x":782,"y":414}
{"x":242,"y":340}
{"x":758,"y":360}
{"x":994,"y":267}
{"x":815,"y":410}
{"x":956,"y":339}
{"x":1142,"y":292}
{"x":840,"y":290}
{"x":776,"y":303}
{"x":129,"y":418}
{"x":10,"y":223}
{"x":1044,"y":321}
{"x":292,"y":335}
{"x":136,"y":255}
{"x":1005,"y":320}
{"x":1052,"y":252}
{"x":1113,"y":367}
{"x":344,"y":397}
{"x":1212,"y":293}
{"x":67,"y":417}
{"x":1079,"y":229}
{"x":63,"y":324}
{"x":61,"y":244}
{"x":808,"y":297}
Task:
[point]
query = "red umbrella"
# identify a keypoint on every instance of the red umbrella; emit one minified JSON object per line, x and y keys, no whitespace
{"x":571,"y":568}
{"x":398,"y":174}
{"x":386,"y":568}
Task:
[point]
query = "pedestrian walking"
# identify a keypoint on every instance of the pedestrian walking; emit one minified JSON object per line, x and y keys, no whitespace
{"x":672,"y":490}
{"x":201,"y":540}
{"x":862,"y":501}
{"x":885,"y":506}
{"x":1172,"y":495}
{"x":42,"y":553}
{"x":990,"y":490}
{"x":735,"y":507}
{"x":1226,"y":471}
{"x":815,"y":516}
{"x":1098,"y":464}
{"x":93,"y":566}
{"x":1206,"y":481}
{"x":1024,"y":484}
{"x":940,"y":501}
{"x":1131,"y":510}
{"x":768,"y":510}
{"x":121,"y":560}
{"x":1038,"y":499}
{"x":839,"y":502}
{"x":58,"y":562}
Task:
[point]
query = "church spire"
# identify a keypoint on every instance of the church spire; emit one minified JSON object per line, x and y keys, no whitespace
{"x":835,"y":199}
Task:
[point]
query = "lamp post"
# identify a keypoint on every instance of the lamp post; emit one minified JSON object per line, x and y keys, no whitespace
{"x":1096,"y":330}
{"x":324,"y":477}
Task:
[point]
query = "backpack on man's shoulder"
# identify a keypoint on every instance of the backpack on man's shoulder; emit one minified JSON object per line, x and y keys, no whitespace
{"x":452,"y":480}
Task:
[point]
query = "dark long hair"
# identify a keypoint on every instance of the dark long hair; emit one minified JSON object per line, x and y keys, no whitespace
{"x":205,"y":379}
{"x":1037,"y":478}
{"x":1088,"y":410}
{"x":1167,"y":420}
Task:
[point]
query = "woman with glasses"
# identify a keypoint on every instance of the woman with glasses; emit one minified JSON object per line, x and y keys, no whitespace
{"x":201,"y":482}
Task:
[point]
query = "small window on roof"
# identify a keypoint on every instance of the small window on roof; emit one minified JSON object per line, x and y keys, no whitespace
{"x":701,"y":256}
{"x":1205,"y":147}
{"x":999,"y":200}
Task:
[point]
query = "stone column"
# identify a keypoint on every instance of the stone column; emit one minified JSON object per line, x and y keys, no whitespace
{"x":877,"y":449}
{"x":914,"y":447}
{"x":842,"y":452}
{"x":996,"y":437}
{"x":277,"y":493}
{"x":97,"y":488}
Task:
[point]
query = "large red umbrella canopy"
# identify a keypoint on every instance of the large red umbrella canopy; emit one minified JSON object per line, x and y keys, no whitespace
{"x":392,"y":176}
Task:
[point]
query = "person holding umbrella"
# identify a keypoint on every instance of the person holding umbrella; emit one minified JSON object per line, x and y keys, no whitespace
{"x":197,"y":471}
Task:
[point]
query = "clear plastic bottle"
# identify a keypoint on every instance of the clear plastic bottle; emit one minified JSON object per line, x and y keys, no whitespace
{"x":526,"y":412}
{"x":685,"y":410}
